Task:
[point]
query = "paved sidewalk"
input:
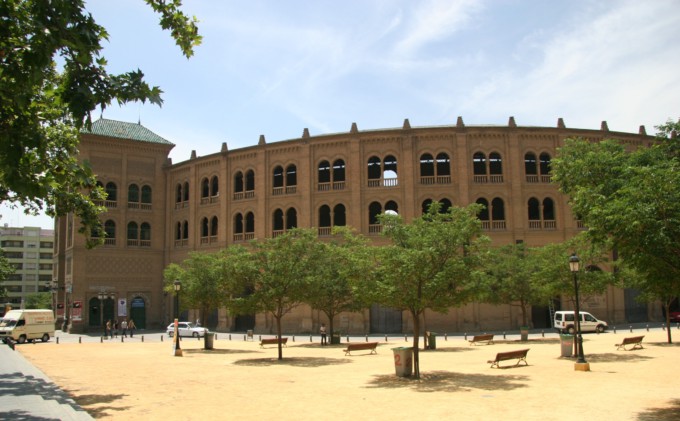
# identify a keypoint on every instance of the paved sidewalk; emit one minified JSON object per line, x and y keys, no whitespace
{"x":27,"y":394}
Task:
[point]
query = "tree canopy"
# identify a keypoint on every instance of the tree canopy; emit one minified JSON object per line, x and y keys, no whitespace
{"x":631,"y":198}
{"x":52,"y":76}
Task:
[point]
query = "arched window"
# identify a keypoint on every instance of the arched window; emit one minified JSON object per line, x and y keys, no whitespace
{"x":205,"y":188}
{"x":530,"y":167}
{"x":250,"y":180}
{"x":324,"y":173}
{"x":339,"y":215}
{"x":250,"y":223}
{"x":534,"y":210}
{"x":484,"y":213}
{"x":548,"y":209}
{"x":479,"y":164}
{"x":446,"y":205}
{"x":178,"y":193}
{"x":495,"y":166}
{"x":338,"y":172}
{"x":427,"y":168}
{"x":146,"y":194}
{"x":443,"y":167}
{"x":291,"y":178}
{"x":374,"y":209}
{"x":277,"y":220}
{"x":392,"y":206}
{"x":178,"y":231}
{"x":110,"y":230}
{"x":325,"y":216}
{"x":186,"y":191}
{"x":390,"y":171}
{"x":238,"y":182}
{"x":213,"y":227}
{"x":133,"y":193}
{"x":545,"y":167}
{"x":111,"y":192}
{"x":374,"y":170}
{"x":132,"y":233}
{"x":291,"y":218}
{"x":185,"y":230}
{"x":277,"y":182}
{"x":238,"y":223}
{"x":214,"y":186}
{"x":145,"y":234}
{"x":205,"y":228}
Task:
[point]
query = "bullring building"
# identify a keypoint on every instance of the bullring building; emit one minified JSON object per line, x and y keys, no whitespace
{"x":159,"y":211}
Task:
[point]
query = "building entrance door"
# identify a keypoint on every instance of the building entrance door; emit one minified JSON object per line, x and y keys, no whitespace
{"x":385,"y":320}
{"x":138,"y":312}
{"x":93,"y":313}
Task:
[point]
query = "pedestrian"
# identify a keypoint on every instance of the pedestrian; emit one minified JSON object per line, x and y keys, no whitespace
{"x":108,"y":329}
{"x":132,"y":327}
{"x":322,"y":330}
{"x":115,"y":327}
{"x":124,"y":327}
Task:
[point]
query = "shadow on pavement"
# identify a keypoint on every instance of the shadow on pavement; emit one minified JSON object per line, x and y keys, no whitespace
{"x":661,"y":414}
{"x":611,"y":357}
{"x":446,"y":381}
{"x":295,"y":362}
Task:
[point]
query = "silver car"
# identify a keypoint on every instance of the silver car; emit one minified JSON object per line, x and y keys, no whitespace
{"x":186,"y":329}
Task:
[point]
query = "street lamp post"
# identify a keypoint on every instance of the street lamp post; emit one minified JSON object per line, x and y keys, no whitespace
{"x":101,"y":296}
{"x":178,"y":286}
{"x":581,"y":363}
{"x":55,"y":290}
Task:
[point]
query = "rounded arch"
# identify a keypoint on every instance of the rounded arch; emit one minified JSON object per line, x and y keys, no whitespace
{"x":250,"y":180}
{"x":339,"y":215}
{"x":339,"y":170}
{"x":548,"y":209}
{"x":497,"y":209}
{"x":277,"y":175}
{"x":374,"y":168}
{"x":110,"y":228}
{"x":214,"y":186}
{"x":324,"y":216}
{"x":426,"y":165}
{"x":392,"y":206}
{"x":495,"y":163}
{"x":530,"y":167}
{"x":213,"y":226}
{"x":111,"y":191}
{"x":374,"y":209}
{"x":238,"y":182}
{"x":145,"y":231}
{"x":132,"y":231}
{"x":238,"y":223}
{"x":146,"y":194}
{"x":277,"y":220}
{"x":205,"y":227}
{"x":484,"y":213}
{"x":534,"y":209}
{"x":178,"y":193}
{"x":291,"y":218}
{"x":443,"y":164}
{"x":205,"y":188}
{"x":133,"y":193}
{"x":324,"y":172}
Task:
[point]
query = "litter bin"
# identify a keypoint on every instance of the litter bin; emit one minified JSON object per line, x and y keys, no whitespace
{"x":209,"y":340}
{"x":566,"y":345}
{"x":335,"y":339}
{"x":431,"y":340}
{"x":403,"y":360}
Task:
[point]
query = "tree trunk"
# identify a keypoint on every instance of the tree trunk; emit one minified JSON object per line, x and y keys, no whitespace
{"x":668,"y":322}
{"x":278,"y":335}
{"x":416,"y":353}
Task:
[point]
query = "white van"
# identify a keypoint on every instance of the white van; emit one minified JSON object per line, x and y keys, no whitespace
{"x":565,"y":323}
{"x":27,"y":325}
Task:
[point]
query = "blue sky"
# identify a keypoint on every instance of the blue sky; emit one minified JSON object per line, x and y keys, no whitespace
{"x":273,"y":68}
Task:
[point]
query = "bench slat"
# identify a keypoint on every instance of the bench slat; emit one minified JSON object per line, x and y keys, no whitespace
{"x":636,"y":341}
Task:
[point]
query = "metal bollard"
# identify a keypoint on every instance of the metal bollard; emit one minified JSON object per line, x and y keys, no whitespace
{"x":503,"y":335}
{"x":405,"y":339}
{"x":366,"y":338}
{"x":310,"y":338}
{"x":614,"y":329}
{"x":57,"y":340}
{"x":142,"y":338}
{"x":101,"y":339}
{"x":385,"y":338}
{"x":122,"y":339}
{"x":631,"y":328}
{"x":347,"y":338}
{"x":80,"y":340}
{"x":647,"y":327}
{"x":293,"y":338}
{"x":230,"y":336}
{"x":466,"y":336}
{"x":663,"y":327}
{"x":542,"y":333}
{"x":244,"y":338}
{"x":446,"y":337}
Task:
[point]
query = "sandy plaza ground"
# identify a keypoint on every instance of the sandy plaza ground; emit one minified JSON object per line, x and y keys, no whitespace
{"x":238,"y":379}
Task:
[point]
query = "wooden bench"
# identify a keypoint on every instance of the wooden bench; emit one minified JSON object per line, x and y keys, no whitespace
{"x":519,"y":355}
{"x":482,"y":338}
{"x":360,"y":346}
{"x":636,"y":341}
{"x":273,"y":341}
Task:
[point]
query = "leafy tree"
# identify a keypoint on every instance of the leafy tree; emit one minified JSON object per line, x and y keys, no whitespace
{"x":512,"y":279}
{"x":431,"y":264}
{"x":5,"y":271}
{"x":39,"y":300}
{"x":340,"y":264}
{"x":633,"y":199}
{"x":278,"y":273}
{"x":43,"y":107}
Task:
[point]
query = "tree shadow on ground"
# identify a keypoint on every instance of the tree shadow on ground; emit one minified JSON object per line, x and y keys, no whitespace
{"x":447,"y":381}
{"x":611,"y":357}
{"x":661,"y":414}
{"x":449,"y":349}
{"x":216,"y":351}
{"x":663,"y":344}
{"x":294,"y":362}
{"x":87,"y":401}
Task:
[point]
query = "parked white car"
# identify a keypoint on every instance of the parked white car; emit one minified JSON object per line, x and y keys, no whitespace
{"x":187,"y":329}
{"x":565,"y":322}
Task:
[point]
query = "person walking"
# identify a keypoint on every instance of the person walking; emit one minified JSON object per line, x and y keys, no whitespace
{"x":132,"y":327}
{"x":322,"y":330}
{"x":108,"y":329}
{"x":124,"y":327}
{"x":115,"y":327}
